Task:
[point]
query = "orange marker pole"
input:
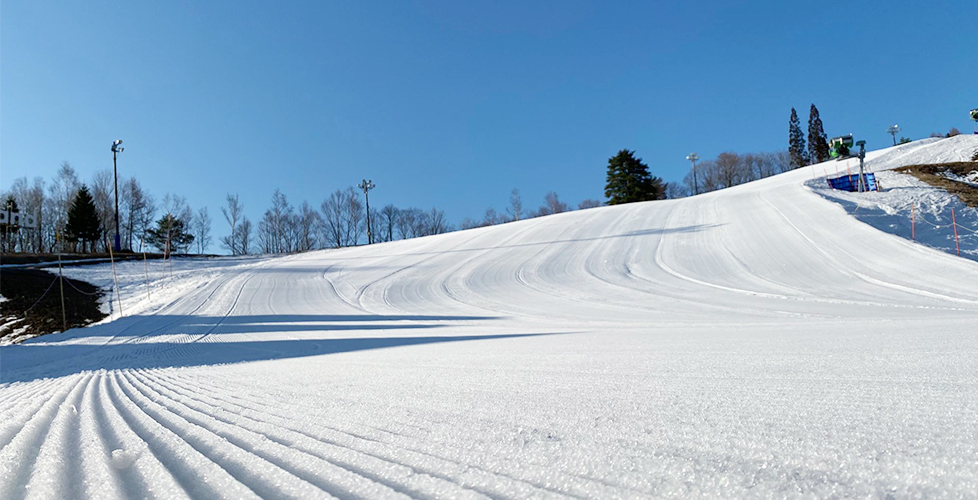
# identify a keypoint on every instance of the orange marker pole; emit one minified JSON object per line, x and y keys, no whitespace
{"x":954,"y":223}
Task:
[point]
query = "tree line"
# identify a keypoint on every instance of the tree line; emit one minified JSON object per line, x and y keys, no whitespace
{"x":82,"y":216}
{"x":339,"y":221}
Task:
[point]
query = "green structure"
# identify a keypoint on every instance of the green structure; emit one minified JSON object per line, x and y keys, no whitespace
{"x":839,"y":146}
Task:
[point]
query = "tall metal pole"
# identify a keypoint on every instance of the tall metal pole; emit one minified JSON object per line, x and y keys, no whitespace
{"x":116,"y":244}
{"x":893,"y":131}
{"x":692,"y":158}
{"x":366,"y":185}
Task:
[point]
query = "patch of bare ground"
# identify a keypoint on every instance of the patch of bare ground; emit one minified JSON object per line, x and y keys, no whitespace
{"x":936,"y":175}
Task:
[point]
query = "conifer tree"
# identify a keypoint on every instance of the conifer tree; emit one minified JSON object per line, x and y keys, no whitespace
{"x":169,"y":235}
{"x":83,"y":220}
{"x":818,"y":144}
{"x":796,"y":142}
{"x":629,"y":180}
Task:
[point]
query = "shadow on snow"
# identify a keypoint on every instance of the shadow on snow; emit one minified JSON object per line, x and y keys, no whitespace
{"x":203,"y":340}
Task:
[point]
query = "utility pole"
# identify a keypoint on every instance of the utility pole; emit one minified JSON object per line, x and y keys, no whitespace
{"x":893,"y":131}
{"x":116,"y":149}
{"x":692,"y":158}
{"x":367,"y":185}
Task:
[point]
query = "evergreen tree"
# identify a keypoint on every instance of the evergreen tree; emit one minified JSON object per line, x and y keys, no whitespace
{"x":796,"y":142}
{"x":169,"y":235}
{"x":818,"y":144}
{"x":629,"y":180}
{"x":83,"y":220}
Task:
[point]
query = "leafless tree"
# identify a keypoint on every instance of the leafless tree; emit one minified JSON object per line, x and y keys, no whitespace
{"x":588,"y":203}
{"x":103,"y":196}
{"x":232,"y":214}
{"x":469,"y":223}
{"x":244,"y":236}
{"x":389,"y":216}
{"x":728,"y":169}
{"x":343,"y":218}
{"x":277,"y":232}
{"x":308,"y":222}
{"x":60,"y":195}
{"x":782,"y":161}
{"x":552,"y":204}
{"x":202,"y":229}
{"x":137,"y":209}
{"x":491,"y":218}
{"x":515,"y":209}
{"x":407,"y":222}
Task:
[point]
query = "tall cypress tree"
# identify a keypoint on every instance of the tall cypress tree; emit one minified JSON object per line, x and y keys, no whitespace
{"x":796,"y":142}
{"x":629,"y":180}
{"x":83,"y":222}
{"x":818,"y":144}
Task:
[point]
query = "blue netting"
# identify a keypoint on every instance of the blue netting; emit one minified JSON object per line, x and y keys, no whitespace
{"x":851,"y":182}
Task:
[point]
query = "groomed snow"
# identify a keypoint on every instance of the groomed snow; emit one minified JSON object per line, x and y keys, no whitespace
{"x":758,"y":341}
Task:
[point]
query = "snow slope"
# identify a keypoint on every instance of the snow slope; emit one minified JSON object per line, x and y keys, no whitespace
{"x":753,"y":342}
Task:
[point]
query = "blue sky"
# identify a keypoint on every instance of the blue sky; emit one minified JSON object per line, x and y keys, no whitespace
{"x":452,"y":104}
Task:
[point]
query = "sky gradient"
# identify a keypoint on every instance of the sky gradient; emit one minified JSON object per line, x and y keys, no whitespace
{"x":453,"y":104}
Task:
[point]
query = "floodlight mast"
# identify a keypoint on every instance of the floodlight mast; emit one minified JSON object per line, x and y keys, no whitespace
{"x":893,"y":130}
{"x":116,"y":149}
{"x":692,"y":157}
{"x":366,"y":185}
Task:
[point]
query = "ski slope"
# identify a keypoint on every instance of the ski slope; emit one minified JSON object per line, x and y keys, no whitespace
{"x":758,"y":341}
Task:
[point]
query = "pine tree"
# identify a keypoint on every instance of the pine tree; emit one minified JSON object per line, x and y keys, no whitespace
{"x":83,"y":220}
{"x":629,"y":180}
{"x":169,"y":235}
{"x":796,"y":142}
{"x":818,"y":144}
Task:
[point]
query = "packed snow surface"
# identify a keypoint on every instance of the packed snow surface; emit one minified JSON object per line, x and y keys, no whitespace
{"x":759,"y":341}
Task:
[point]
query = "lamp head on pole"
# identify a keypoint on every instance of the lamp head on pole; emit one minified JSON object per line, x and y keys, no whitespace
{"x":366,"y":185}
{"x":693,"y":157}
{"x":117,"y":146}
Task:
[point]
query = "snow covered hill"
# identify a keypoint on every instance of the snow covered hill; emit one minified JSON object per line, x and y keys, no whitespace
{"x":757,"y":341}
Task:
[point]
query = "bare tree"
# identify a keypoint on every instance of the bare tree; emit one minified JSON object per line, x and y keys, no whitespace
{"x":308,"y":221}
{"x":728,"y":168}
{"x":103,"y":196}
{"x":232,"y":214}
{"x":343,"y":218}
{"x":389,"y":215}
{"x":276,"y":230}
{"x":491,"y":218}
{"x":676,"y":190}
{"x":782,"y":161}
{"x":137,"y":210}
{"x":436,"y":222}
{"x":202,"y":229}
{"x":244,"y":237}
{"x":61,"y":193}
{"x":552,"y":204}
{"x":588,"y":203}
{"x":469,"y":223}
{"x":515,"y":209}
{"x":407,"y":222}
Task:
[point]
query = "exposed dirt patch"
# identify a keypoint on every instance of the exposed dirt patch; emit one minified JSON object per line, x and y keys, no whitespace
{"x":931,"y":174}
{"x":32,"y":304}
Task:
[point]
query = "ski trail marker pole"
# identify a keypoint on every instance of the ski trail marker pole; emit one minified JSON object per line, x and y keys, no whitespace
{"x":954,"y":223}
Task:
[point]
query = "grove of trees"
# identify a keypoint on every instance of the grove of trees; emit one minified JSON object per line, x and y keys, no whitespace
{"x":83,"y":214}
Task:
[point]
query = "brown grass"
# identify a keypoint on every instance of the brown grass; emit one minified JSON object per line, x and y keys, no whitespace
{"x":929,"y":174}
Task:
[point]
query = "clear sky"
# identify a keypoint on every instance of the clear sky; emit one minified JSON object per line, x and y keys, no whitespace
{"x":452,"y":104}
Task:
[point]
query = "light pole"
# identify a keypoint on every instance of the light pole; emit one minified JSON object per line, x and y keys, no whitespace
{"x":367,"y":185}
{"x":692,"y":157}
{"x":893,"y":131}
{"x":116,"y":149}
